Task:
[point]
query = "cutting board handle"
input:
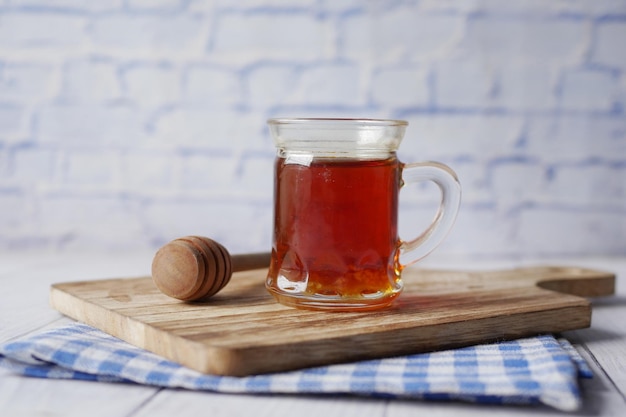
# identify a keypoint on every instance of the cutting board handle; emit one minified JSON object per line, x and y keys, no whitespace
{"x":583,"y":282}
{"x":572,"y":280}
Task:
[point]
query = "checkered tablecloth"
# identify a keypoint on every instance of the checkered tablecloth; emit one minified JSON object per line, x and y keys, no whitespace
{"x":538,"y":370}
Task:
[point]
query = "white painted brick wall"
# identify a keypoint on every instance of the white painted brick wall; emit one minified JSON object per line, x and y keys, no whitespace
{"x":150,"y":85}
{"x":124,"y":124}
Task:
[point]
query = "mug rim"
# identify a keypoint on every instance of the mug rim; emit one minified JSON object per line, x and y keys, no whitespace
{"x":336,"y":120}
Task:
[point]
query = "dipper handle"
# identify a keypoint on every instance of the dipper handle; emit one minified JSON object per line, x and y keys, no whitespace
{"x":196,"y":268}
{"x":248,"y":261}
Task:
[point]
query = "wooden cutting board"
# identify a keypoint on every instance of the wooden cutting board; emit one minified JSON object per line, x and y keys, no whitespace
{"x":243,"y":331}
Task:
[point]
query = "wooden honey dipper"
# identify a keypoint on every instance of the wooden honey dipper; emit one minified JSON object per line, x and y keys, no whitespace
{"x":196,"y":268}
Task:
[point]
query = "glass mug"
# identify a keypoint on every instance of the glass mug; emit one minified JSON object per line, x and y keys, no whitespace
{"x":336,"y":184}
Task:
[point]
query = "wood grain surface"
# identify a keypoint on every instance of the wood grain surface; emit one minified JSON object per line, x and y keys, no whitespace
{"x":243,"y":331}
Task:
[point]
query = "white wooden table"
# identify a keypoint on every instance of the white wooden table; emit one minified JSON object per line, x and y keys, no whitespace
{"x":25,"y":280}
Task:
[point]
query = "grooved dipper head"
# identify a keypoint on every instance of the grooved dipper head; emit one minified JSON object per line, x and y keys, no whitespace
{"x":191,"y":268}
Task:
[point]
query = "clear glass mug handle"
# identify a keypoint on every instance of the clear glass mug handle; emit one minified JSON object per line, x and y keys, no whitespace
{"x":412,"y":251}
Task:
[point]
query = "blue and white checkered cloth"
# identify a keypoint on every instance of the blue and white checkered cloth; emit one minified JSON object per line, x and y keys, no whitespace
{"x":538,"y":370}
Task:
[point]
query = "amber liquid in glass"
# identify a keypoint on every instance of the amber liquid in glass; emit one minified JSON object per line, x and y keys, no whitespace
{"x":335,"y":231}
